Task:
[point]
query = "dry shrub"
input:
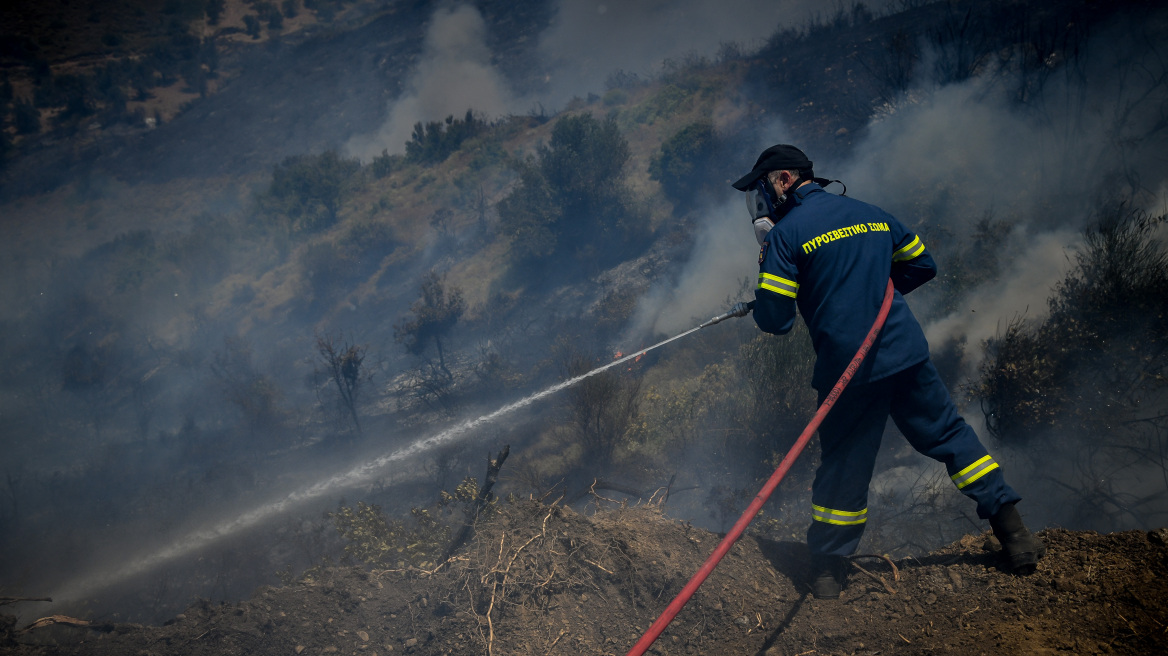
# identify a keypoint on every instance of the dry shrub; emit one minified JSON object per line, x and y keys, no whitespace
{"x":1104,"y":347}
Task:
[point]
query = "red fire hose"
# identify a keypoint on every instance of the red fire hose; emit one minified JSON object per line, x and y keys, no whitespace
{"x":707,"y":567}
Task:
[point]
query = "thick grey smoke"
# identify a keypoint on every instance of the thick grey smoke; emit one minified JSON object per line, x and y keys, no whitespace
{"x":586,"y":43}
{"x":454,"y":75}
{"x":955,"y":154}
{"x":1035,"y":265}
{"x":724,"y":254}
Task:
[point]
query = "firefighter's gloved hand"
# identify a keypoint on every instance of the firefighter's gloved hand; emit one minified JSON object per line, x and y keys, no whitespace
{"x":741,"y":309}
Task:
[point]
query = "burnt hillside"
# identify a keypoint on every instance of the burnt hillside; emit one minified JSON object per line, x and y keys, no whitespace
{"x":540,"y":579}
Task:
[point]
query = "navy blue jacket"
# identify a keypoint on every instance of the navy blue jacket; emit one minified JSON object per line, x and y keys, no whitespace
{"x":832,"y":257}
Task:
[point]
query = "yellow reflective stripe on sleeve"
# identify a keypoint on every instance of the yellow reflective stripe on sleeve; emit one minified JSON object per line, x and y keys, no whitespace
{"x":912,"y":250}
{"x":838,"y":517}
{"x":778,"y":285}
{"x":975,"y":471}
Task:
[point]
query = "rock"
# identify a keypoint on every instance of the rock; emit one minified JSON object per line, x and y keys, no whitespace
{"x":363,"y":636}
{"x":411,"y":642}
{"x":1159,"y":537}
{"x":299,"y":648}
{"x":955,"y":578}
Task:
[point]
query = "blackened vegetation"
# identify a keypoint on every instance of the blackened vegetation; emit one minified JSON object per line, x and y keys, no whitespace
{"x":1093,"y":376}
{"x":256,"y":396}
{"x":829,"y":94}
{"x":342,"y":362}
{"x":601,"y":409}
{"x":435,"y":313}
{"x":195,"y":416}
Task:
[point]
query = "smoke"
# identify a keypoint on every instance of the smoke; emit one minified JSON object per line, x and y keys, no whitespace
{"x":590,"y":40}
{"x":1036,"y":265}
{"x":586,"y":43}
{"x":724,"y":254}
{"x":454,"y":75}
{"x":946,"y":157}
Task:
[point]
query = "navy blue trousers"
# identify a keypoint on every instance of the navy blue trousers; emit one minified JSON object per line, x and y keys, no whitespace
{"x":850,"y":435}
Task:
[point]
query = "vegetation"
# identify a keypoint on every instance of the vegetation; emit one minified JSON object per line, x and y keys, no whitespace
{"x":342,"y":363}
{"x":434,"y":141}
{"x":572,"y":203}
{"x":307,"y":191}
{"x":435,"y":314}
{"x":121,"y":362}
{"x":680,"y":166}
{"x":1101,"y":349}
{"x":418,"y":542}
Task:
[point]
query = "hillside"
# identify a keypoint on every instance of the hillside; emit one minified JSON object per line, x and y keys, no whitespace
{"x":540,"y":579}
{"x":237,"y":313}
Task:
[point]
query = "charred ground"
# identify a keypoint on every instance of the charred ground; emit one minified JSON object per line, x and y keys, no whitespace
{"x":544,"y":579}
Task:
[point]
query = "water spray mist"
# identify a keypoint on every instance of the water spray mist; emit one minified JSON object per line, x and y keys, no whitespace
{"x":363,"y":473}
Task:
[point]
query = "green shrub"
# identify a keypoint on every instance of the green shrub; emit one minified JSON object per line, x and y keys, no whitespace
{"x":434,"y":141}
{"x":307,"y":191}
{"x":681,"y":164}
{"x":383,"y":164}
{"x":572,"y":200}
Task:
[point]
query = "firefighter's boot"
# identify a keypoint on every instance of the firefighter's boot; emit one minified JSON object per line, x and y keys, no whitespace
{"x":829,"y":574}
{"x":1020,"y":548}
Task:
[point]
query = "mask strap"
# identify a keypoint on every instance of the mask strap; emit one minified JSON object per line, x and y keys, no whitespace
{"x":824,"y":182}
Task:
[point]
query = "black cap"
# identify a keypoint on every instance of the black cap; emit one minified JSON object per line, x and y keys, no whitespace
{"x":776,"y":158}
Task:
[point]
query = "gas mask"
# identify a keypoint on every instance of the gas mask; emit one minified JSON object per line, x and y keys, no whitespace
{"x":761,"y":202}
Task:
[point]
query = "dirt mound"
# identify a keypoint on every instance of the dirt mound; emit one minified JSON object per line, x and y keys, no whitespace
{"x":540,"y":579}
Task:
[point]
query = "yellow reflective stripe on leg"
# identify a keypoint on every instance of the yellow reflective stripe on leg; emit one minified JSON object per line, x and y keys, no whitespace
{"x":838,"y":517}
{"x":975,"y":471}
{"x":771,"y":282}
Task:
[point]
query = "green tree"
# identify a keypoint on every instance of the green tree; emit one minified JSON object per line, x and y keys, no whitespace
{"x":308,"y":190}
{"x":529,"y":217}
{"x":681,"y":165}
{"x":436,"y":312}
{"x":572,"y":200}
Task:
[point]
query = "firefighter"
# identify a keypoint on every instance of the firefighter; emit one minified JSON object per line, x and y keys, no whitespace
{"x":831,"y":257}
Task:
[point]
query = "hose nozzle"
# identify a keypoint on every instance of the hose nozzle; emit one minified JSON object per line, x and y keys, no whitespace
{"x":740,"y":309}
